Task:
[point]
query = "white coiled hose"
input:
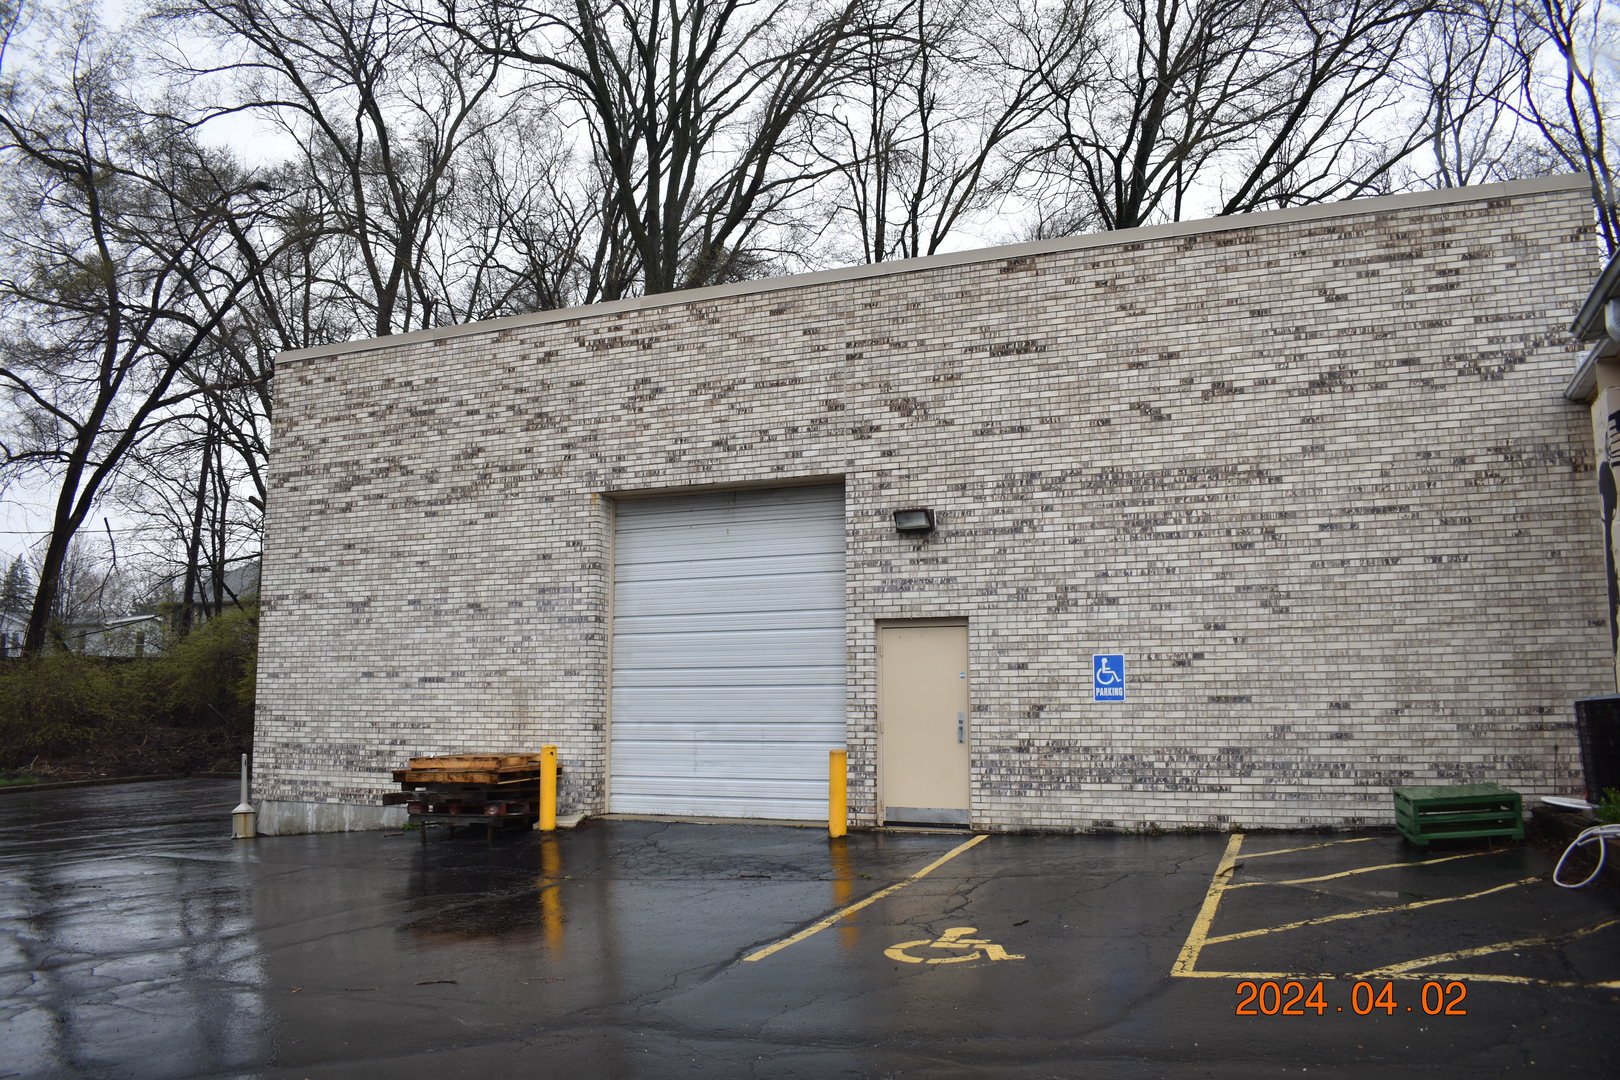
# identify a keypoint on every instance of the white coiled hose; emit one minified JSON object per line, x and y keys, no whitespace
{"x":1597,"y":834}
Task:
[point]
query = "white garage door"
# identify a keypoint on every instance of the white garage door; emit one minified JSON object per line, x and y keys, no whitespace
{"x":728,"y":653}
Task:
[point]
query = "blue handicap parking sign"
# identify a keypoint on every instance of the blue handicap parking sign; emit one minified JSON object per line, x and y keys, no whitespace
{"x":1108,"y":677}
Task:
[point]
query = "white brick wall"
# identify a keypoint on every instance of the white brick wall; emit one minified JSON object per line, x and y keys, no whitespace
{"x":1311,"y":472}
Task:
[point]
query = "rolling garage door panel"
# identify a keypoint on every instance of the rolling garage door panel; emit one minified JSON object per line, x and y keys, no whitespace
{"x":728,"y":653}
{"x":776,"y":678}
{"x":630,"y":625}
{"x":765,"y":564}
{"x":718,"y":765}
{"x":782,"y":595}
{"x":792,"y":653}
{"x":757,"y":714}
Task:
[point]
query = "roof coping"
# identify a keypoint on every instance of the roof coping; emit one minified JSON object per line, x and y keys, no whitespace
{"x":1314,"y":212}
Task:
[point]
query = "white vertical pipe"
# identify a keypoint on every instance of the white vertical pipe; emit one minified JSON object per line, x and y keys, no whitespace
{"x":244,"y":821}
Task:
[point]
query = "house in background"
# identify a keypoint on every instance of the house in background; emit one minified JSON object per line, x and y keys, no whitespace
{"x":130,"y":636}
{"x":1235,"y":521}
{"x":13,"y":629}
{"x":137,"y":635}
{"x":237,"y":584}
{"x":134,"y":635}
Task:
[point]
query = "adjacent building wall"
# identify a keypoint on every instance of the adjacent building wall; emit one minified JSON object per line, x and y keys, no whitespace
{"x":1312,"y":472}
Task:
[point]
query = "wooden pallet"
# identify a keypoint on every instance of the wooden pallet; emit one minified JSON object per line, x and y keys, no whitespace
{"x":1458,"y":811}
{"x":471,"y":769}
{"x":456,"y":790}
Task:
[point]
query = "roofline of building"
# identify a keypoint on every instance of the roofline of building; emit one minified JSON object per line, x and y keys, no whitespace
{"x":103,"y":626}
{"x":1598,"y":322}
{"x":1315,"y":212}
{"x":1591,"y":323}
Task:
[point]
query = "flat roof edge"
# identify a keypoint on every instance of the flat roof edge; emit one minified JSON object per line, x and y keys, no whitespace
{"x":1590,"y":322}
{"x":1147,"y":233}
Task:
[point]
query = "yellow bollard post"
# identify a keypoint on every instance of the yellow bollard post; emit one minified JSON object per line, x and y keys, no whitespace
{"x":837,"y":792}
{"x":548,"y":790}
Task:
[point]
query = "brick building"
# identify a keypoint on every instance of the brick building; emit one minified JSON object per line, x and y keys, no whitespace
{"x":1304,"y":484}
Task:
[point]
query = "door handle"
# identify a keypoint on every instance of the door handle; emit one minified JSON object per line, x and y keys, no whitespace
{"x":961,"y":727}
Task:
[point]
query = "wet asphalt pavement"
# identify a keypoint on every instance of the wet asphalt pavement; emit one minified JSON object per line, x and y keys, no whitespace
{"x":137,"y":940}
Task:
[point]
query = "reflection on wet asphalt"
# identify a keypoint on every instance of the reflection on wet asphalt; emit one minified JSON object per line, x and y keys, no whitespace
{"x":140,"y":941}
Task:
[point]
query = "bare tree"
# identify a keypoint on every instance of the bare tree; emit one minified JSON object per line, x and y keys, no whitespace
{"x":381,"y":125}
{"x":1227,"y":106}
{"x":1462,"y":64}
{"x":926,"y":135}
{"x":542,"y":221}
{"x":1566,"y":51}
{"x":200,"y":519}
{"x":93,"y":587}
{"x":10,"y":16}
{"x":694,"y":117}
{"x":379,"y":113}
{"x":289,"y":304}
{"x":122,"y":241}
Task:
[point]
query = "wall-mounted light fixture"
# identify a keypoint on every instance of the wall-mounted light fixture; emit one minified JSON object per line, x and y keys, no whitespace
{"x":916,"y":520}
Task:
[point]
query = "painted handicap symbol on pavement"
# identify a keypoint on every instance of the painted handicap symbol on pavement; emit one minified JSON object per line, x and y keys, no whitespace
{"x":953,"y":940}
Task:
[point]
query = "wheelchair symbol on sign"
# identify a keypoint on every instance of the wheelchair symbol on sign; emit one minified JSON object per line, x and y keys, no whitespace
{"x":954,"y":939}
{"x":1108,"y":676}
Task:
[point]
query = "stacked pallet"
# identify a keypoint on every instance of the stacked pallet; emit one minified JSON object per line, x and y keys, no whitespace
{"x":1458,"y":811}
{"x":468,"y":788}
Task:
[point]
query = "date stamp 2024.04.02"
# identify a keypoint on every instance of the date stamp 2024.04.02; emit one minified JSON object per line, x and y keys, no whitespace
{"x":1293,"y":998}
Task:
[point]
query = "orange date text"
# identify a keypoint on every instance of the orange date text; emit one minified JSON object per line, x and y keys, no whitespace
{"x":1294,"y":998}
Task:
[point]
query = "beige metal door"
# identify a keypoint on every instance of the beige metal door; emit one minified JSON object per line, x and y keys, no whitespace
{"x":923,"y":720}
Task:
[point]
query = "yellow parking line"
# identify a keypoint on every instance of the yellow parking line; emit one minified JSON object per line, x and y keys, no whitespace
{"x":1365,"y":913}
{"x":1199,"y":934}
{"x":1365,"y":869}
{"x":822,"y":924}
{"x":1474,"y":976}
{"x":1486,"y":950}
{"x":1399,"y":976}
{"x":1275,"y":976}
{"x":1308,"y":847}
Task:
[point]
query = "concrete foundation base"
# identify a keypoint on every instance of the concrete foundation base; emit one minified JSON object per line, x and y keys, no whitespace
{"x":295,"y":818}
